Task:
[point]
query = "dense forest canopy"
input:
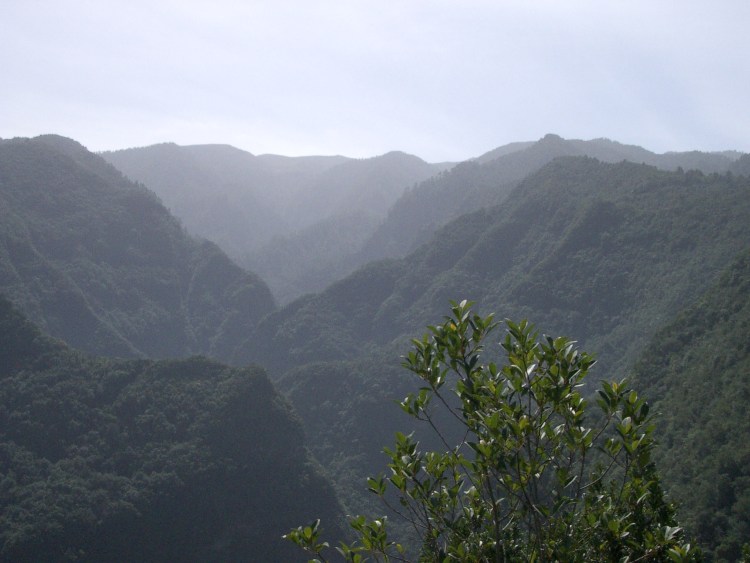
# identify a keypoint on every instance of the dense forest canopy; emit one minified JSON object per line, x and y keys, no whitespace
{"x":589,"y":248}
{"x":698,"y":370}
{"x":141,"y":460}
{"x":98,"y":261}
{"x":607,"y":252}
{"x":641,"y":257}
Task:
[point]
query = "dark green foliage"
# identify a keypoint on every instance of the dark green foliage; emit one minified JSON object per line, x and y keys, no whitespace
{"x":523,"y":483}
{"x":104,"y":460}
{"x":698,"y":371}
{"x":337,"y":324}
{"x":99,"y":262}
{"x":345,"y":425}
{"x":488,"y":180}
{"x":606,"y":251}
{"x":609,"y":252}
{"x":94,"y":453}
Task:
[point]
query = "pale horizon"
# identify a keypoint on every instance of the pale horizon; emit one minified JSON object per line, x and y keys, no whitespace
{"x":440,"y":80}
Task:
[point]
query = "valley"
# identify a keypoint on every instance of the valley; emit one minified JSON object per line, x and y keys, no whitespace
{"x":199,"y":318}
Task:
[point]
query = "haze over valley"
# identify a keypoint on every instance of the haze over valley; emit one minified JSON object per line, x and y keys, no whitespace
{"x":582,"y":236}
{"x":225,"y":229}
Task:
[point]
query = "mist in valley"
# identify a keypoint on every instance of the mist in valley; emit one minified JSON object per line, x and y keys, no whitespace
{"x":221,"y":228}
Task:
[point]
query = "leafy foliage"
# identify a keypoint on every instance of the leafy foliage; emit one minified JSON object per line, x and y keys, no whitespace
{"x":523,"y":484}
{"x":609,"y":252}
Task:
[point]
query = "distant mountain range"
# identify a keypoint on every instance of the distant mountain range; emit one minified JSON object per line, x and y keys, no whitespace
{"x":488,"y":179}
{"x":301,"y":223}
{"x":640,"y":257}
{"x":262,"y":210}
{"x":607,"y":232}
{"x":608,"y":253}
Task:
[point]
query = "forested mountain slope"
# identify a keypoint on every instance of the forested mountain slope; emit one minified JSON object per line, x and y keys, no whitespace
{"x":351,"y":200}
{"x":488,"y":179}
{"x":312,"y":258}
{"x":604,"y":253}
{"x":99,"y":262}
{"x":697,"y":373}
{"x":221,"y":193}
{"x":263,"y":210}
{"x":582,"y":247}
{"x":115,"y":460}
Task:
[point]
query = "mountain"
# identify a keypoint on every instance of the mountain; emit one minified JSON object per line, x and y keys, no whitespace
{"x":604,"y":253}
{"x":310,"y":259}
{"x":488,"y":179}
{"x":582,"y":247}
{"x":369,"y":184}
{"x":221,"y":193}
{"x":502,"y":151}
{"x":351,"y":199}
{"x":741,"y":165}
{"x":98,"y":261}
{"x":136,"y":460}
{"x":251,"y":205}
{"x":696,"y":371}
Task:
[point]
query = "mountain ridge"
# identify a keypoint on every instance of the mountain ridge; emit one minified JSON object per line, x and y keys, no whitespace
{"x":133,"y":283}
{"x":253,"y":205}
{"x":487,"y":180}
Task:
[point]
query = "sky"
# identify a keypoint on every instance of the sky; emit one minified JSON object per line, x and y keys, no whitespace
{"x":445,"y":80}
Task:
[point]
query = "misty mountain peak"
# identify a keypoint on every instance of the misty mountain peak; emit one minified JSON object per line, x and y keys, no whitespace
{"x":552,"y":137}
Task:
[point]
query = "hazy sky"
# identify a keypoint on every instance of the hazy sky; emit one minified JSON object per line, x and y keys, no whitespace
{"x":445,"y":80}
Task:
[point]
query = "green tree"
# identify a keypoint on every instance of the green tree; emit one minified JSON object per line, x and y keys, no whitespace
{"x":535,"y":478}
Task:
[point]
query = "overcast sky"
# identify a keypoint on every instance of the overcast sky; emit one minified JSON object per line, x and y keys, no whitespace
{"x":445,"y":80}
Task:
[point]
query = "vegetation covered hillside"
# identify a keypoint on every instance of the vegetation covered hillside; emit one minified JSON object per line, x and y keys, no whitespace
{"x":607,"y":252}
{"x":310,"y":259}
{"x":532,"y":475}
{"x":104,"y":460}
{"x":697,"y":370}
{"x":488,"y":179}
{"x":348,"y":202}
{"x":292,"y":220}
{"x":99,"y":262}
{"x":219,"y":192}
